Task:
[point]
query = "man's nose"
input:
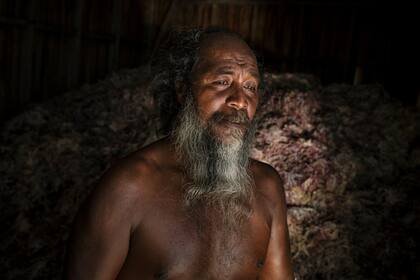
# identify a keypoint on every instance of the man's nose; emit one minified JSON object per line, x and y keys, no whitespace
{"x":237,"y":99}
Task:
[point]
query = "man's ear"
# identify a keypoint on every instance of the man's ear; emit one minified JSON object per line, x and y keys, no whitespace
{"x":180,"y":92}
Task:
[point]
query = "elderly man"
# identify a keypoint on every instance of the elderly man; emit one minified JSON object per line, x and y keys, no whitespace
{"x":192,"y":205}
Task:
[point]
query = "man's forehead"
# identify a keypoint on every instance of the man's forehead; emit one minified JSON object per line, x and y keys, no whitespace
{"x":220,"y":50}
{"x":227,"y":68}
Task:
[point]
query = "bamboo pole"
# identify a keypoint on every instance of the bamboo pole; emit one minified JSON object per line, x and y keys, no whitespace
{"x":174,"y":6}
{"x":25,"y":61}
{"x":74,"y":46}
{"x":240,"y":2}
{"x":3,"y":112}
{"x":12,"y":97}
{"x":358,"y":75}
{"x":13,"y":21}
{"x":113,"y":55}
{"x":418,"y":100}
{"x":299,"y":40}
{"x":150,"y":24}
{"x":350,"y":42}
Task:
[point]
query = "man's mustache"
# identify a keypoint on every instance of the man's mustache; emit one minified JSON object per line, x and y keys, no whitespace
{"x":238,"y":117}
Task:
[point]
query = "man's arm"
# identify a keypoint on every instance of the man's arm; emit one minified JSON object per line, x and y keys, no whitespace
{"x":100,"y":239}
{"x":277,"y":265}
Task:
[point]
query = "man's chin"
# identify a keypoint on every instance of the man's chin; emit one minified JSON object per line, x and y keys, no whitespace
{"x":229,"y":135}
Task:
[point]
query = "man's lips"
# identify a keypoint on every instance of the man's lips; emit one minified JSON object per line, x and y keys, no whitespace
{"x":239,"y":118}
{"x":236,"y":123}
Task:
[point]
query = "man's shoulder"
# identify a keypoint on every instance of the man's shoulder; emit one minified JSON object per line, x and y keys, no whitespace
{"x":129,"y":173}
{"x":135,"y":172}
{"x":265,"y":172}
{"x":122,"y":193}
{"x":268,"y":183}
{"x":129,"y":179}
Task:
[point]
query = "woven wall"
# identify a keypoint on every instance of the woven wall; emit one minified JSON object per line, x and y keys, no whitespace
{"x":49,"y":47}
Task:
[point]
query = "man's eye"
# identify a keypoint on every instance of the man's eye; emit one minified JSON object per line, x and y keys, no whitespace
{"x":222,"y":82}
{"x":251,"y":88}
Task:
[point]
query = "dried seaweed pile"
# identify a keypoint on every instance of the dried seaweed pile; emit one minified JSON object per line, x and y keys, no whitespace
{"x":52,"y":155}
{"x":344,"y":154}
{"x":350,"y":166}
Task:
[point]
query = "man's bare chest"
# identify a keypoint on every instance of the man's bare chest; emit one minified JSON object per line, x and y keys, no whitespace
{"x":172,"y":245}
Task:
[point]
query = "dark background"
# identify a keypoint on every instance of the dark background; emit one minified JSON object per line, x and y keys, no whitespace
{"x":48,"y":47}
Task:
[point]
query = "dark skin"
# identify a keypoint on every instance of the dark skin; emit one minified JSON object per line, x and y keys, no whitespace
{"x":134,"y":225}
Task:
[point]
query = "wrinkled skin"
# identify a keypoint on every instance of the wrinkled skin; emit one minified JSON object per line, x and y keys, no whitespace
{"x":134,"y":225}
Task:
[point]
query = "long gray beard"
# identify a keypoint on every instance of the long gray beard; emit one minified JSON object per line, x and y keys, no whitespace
{"x":218,"y":172}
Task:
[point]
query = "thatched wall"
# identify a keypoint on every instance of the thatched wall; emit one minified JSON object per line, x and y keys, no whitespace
{"x":49,"y":47}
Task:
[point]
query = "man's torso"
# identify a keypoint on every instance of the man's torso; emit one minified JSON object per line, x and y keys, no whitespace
{"x":171,"y":243}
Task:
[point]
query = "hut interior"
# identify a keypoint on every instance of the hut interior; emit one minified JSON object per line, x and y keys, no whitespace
{"x":340,"y":122}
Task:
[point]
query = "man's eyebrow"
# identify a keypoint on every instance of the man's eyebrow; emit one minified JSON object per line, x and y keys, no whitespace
{"x":224,"y":70}
{"x":255,"y":75}
{"x":228,"y":70}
